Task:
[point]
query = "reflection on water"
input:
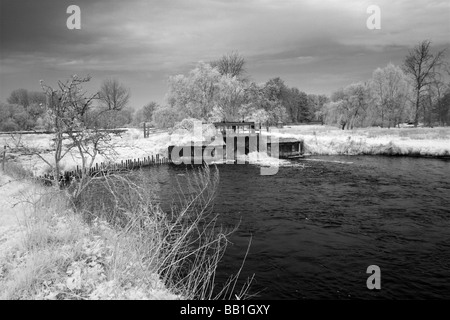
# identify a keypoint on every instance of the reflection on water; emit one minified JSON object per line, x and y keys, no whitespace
{"x":317,"y":225}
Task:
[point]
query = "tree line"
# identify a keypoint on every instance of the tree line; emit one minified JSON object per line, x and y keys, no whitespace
{"x":415,"y":92}
{"x":221,"y":90}
{"x":29,"y":110}
{"x":216,"y":91}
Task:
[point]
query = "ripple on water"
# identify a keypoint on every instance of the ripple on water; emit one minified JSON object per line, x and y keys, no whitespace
{"x":315,"y":229}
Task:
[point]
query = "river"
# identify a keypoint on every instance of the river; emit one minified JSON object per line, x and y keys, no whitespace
{"x":319,"y":223}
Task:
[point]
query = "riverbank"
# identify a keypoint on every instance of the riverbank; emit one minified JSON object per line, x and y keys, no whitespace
{"x":111,"y":241}
{"x":319,"y":140}
{"x":49,"y":252}
{"x":128,"y":145}
{"x":327,"y":140}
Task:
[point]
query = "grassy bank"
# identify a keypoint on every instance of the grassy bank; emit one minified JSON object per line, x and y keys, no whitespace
{"x":113,"y":242}
{"x":319,"y":140}
{"x":327,"y":140}
{"x":58,"y":256}
{"x":130,"y":144}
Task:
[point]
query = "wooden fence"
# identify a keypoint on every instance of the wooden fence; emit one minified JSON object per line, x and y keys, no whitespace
{"x":148,"y":130}
{"x":102,"y":169}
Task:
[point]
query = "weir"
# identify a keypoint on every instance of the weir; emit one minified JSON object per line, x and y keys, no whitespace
{"x":233,"y":139}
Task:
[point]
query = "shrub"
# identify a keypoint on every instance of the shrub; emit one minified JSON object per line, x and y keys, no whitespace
{"x":184,"y":245}
{"x":142,"y":253}
{"x":165,"y":117}
{"x":9,"y":125}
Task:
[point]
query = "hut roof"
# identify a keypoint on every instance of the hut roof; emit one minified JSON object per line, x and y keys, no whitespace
{"x":288,"y":140}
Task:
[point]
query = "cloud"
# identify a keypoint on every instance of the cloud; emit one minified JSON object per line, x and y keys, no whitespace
{"x":143,"y":42}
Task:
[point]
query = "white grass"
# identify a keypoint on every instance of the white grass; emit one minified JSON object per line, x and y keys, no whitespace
{"x":326,"y":140}
{"x":132,"y":250}
{"x":51,"y":253}
{"x":319,"y":140}
{"x":131,"y":145}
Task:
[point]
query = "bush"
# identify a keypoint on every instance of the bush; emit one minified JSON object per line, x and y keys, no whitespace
{"x":186,"y":128}
{"x":186,"y":124}
{"x":165,"y":117}
{"x":142,"y":253}
{"x":184,"y":246}
{"x":9,"y":125}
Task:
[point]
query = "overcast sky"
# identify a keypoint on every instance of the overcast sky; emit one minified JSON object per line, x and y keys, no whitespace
{"x":317,"y":46}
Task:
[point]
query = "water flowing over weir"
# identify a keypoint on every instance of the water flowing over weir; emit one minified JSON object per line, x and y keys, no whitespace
{"x":317,"y":225}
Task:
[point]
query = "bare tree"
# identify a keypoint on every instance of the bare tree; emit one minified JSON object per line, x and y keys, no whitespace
{"x":231,"y":64}
{"x":68,"y":107}
{"x":348,"y":106}
{"x":113,"y":95}
{"x":421,"y":64}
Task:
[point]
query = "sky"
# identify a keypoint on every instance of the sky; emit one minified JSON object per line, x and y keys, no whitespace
{"x":316,"y":46}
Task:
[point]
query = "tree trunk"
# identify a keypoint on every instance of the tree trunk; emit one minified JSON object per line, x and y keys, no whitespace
{"x":58,"y":151}
{"x":416,"y":116}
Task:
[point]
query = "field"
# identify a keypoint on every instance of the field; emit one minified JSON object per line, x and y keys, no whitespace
{"x":319,"y":140}
{"x":48,"y":252}
{"x":130,"y":145}
{"x":327,"y":140}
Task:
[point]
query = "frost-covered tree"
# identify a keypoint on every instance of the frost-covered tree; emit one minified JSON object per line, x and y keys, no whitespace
{"x":389,"y":88}
{"x":166,"y":117}
{"x":231,"y":64}
{"x":193,"y":95}
{"x":230,"y":98}
{"x":348,"y":106}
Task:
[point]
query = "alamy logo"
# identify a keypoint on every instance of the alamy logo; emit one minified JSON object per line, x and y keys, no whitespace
{"x":374,"y":20}
{"x":374,"y":281}
{"x":74,"y":20}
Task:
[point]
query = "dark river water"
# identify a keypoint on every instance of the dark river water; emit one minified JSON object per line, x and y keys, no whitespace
{"x":319,"y":223}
